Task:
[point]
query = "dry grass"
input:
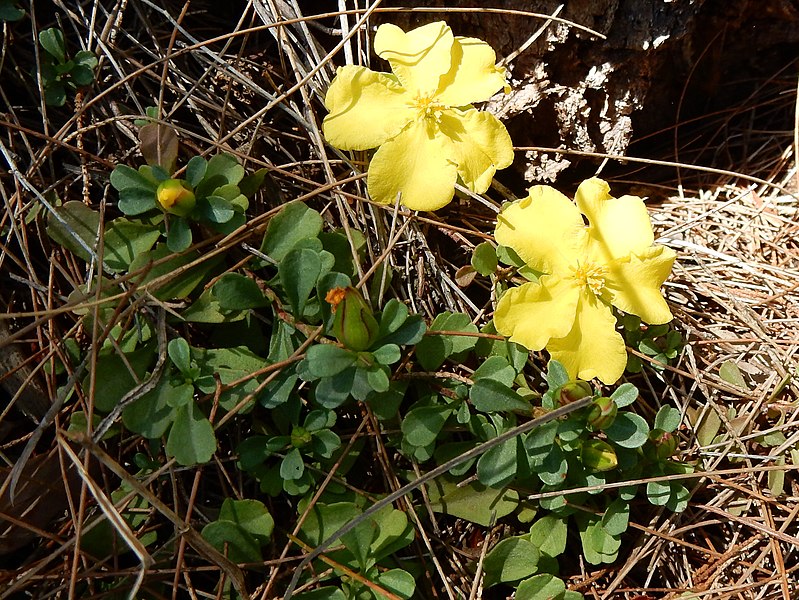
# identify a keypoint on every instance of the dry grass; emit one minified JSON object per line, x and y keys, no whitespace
{"x":249,"y":86}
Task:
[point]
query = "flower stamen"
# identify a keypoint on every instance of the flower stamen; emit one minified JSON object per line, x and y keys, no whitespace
{"x":590,"y":276}
{"x":428,"y":107}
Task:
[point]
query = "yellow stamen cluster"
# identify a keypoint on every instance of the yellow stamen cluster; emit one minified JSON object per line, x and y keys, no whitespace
{"x":590,"y":276}
{"x":428,"y":107}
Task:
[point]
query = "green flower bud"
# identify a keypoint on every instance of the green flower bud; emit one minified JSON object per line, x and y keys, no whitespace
{"x":175,"y":197}
{"x":602,"y":413}
{"x":300,"y":437}
{"x":573,"y":391}
{"x":354,"y":324}
{"x":598,"y":456}
{"x":665,"y":443}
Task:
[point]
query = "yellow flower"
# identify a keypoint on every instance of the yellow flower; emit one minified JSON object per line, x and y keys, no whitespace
{"x":421,"y":116}
{"x":586,"y":269}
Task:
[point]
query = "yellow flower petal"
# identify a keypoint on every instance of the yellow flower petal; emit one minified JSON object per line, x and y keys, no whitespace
{"x":418,"y":58}
{"x":416,"y":163}
{"x":617,"y":226}
{"x":481,"y":145}
{"x":593,"y":348}
{"x":533,"y":313}
{"x":633,"y":284}
{"x":474,"y":76}
{"x":366,"y":108}
{"x":545,"y":229}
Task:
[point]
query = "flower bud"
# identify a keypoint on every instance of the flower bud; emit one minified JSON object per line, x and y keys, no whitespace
{"x":300,"y":437}
{"x":354,"y":324}
{"x":602,"y":413}
{"x":665,"y":443}
{"x":598,"y":456}
{"x":175,"y":197}
{"x":573,"y":391}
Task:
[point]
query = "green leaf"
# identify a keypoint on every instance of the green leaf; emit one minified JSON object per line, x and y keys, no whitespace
{"x":113,"y":378}
{"x":473,"y":501}
{"x":191,"y":440}
{"x":496,"y":368}
{"x":241,"y":546}
{"x":223,"y":169}
{"x":339,"y":246}
{"x":557,"y":375}
{"x":292,"y":466}
{"x":409,"y":333}
{"x":250,"y":515}
{"x":358,"y":540}
{"x":180,"y":285}
{"x":729,"y":372}
{"x":541,"y":587}
{"x":151,"y":415}
{"x":206,"y":309}
{"x":489,"y":395}
{"x":386,"y":404}
{"x":299,"y":271}
{"x":334,"y":391}
{"x":325,"y":443}
{"x":398,"y":582}
{"x":393,"y":316}
{"x":628,"y":430}
{"x":52,"y":40}
{"x":238,"y":292}
{"x":75,"y":226}
{"x":598,"y":546}
{"x":327,"y":360}
{"x":9,"y":11}
{"x":124,"y":240}
{"x":668,"y":418}
{"x":136,"y":191}
{"x":616,"y":517}
{"x":497,"y":466}
{"x":680,"y":495}
{"x":294,"y":223}
{"x":554,"y":467}
{"x":216,"y":209}
{"x":378,"y":378}
{"x":195,"y":170}
{"x":484,"y":259}
{"x":624,"y":395}
{"x":540,"y":441}
{"x":323,"y":520}
{"x":83,"y":71}
{"x":180,"y":354}
{"x":549,"y":535}
{"x":387,"y":354}
{"x":178,"y":236}
{"x":55,"y":94}
{"x":394,"y":532}
{"x":159,"y":145}
{"x":421,"y":426}
{"x":511,"y":559}
{"x":433,"y":350}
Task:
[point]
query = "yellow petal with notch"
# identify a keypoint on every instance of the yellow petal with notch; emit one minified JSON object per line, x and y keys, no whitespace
{"x":535,"y":312}
{"x":417,"y":165}
{"x":474,"y":76}
{"x":545,"y":229}
{"x":419,"y":57}
{"x":366,"y":109}
{"x":593,"y":348}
